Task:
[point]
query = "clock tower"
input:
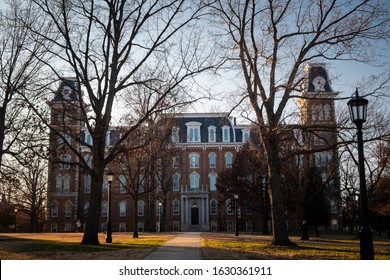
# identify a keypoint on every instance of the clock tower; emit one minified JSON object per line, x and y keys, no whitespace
{"x":317,"y":113}
{"x":63,"y":175}
{"x":317,"y":102}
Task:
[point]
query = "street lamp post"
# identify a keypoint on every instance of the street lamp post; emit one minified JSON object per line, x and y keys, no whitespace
{"x":159,"y":216}
{"x":110,"y":178}
{"x":16,"y":213}
{"x":236,"y":233}
{"x":358,"y":111}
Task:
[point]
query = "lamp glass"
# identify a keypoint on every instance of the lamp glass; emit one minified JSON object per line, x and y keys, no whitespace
{"x":110,"y":177}
{"x":358,"y":109}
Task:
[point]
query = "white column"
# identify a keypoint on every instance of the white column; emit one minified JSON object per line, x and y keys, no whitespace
{"x":207,"y":210}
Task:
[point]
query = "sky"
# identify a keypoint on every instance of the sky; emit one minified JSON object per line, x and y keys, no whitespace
{"x":350,"y":75}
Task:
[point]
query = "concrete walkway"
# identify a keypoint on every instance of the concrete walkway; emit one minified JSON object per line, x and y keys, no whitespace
{"x":185,"y":246}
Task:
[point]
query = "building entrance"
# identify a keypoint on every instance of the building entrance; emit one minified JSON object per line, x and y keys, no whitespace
{"x":194,"y":215}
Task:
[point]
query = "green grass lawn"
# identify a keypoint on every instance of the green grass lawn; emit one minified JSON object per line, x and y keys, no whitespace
{"x":215,"y":246}
{"x":67,"y":246}
{"x":327,"y":247}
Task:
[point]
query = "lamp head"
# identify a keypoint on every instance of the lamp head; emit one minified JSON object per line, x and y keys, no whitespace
{"x":358,"y":109}
{"x":110,"y":177}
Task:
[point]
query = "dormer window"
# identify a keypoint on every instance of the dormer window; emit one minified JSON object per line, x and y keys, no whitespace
{"x":212,"y":133}
{"x":245,"y":135}
{"x":193,"y":132}
{"x":225,"y":134}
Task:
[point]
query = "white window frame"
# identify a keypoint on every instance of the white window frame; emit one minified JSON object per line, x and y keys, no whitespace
{"x":228,"y":160}
{"x":245,"y":135}
{"x":176,"y":207}
{"x":59,"y":182}
{"x":122,"y":208}
{"x":66,"y":183}
{"x":193,"y":132}
{"x":54,"y":209}
{"x":176,"y":182}
{"x":140,"y":208}
{"x":194,"y":159}
{"x":68,"y":208}
{"x":87,"y":183}
{"x":225,"y":134}
{"x":122,"y":184}
{"x":213,"y":207}
{"x":212,"y":160}
{"x":194,"y":180}
{"x":212,"y":133}
{"x":229,"y":206}
{"x":213,"y":181}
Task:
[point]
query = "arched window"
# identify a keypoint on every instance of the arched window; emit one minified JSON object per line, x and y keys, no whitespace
{"x":194,"y":180}
{"x":229,"y":159}
{"x":229,"y":207}
{"x":176,"y":207}
{"x":54,"y":208}
{"x":66,"y":184}
{"x":58,"y":183}
{"x":87,"y":183}
{"x":193,"y":132}
{"x":122,"y":209}
{"x":68,"y":209}
{"x":194,"y":160}
{"x":213,"y":181}
{"x":176,"y":162}
{"x":122,"y":184}
{"x":225,"y":134}
{"x":140,"y":208}
{"x":176,"y":181}
{"x":213,"y":207}
{"x":212,"y":160}
{"x":212,"y":134}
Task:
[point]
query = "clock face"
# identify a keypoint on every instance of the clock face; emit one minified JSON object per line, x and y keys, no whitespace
{"x":66,"y":92}
{"x":319,"y":83}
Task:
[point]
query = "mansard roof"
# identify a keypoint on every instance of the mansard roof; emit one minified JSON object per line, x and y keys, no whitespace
{"x":69,"y":90}
{"x":207,"y":121}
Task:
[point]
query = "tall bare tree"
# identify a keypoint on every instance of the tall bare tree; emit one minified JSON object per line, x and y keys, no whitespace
{"x":21,"y":59}
{"x":113,"y":47}
{"x":272,"y":41}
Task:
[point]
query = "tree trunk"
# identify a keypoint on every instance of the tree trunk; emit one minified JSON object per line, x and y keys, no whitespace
{"x":279,"y":226}
{"x":90,"y":236}
{"x":135,"y":231}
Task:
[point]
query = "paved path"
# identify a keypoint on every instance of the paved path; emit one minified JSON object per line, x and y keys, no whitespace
{"x":185,"y":246}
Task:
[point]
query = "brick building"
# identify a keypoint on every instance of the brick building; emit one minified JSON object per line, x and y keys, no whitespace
{"x":185,"y":199}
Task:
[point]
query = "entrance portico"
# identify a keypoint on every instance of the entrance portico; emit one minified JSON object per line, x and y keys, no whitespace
{"x":195,"y":210}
